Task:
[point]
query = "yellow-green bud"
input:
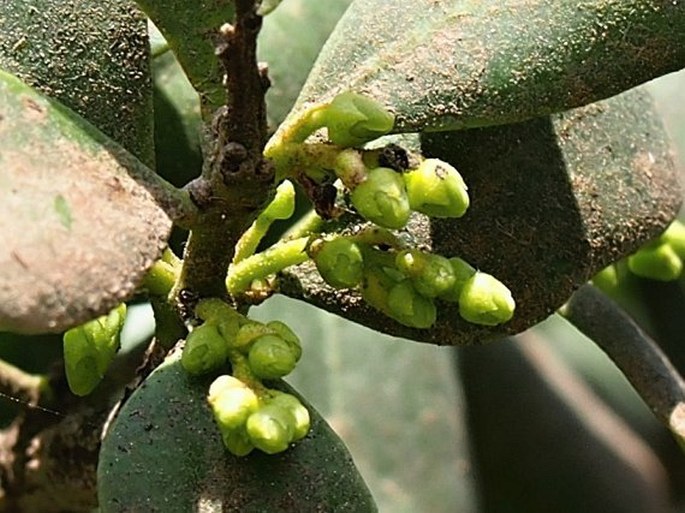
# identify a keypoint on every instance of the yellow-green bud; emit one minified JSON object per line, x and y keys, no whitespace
{"x":437,"y":189}
{"x":237,"y":441}
{"x":382,"y":198}
{"x":657,"y":262}
{"x":232,"y":402}
{"x":462,"y":273}
{"x":271,"y":428}
{"x":271,"y":357}
{"x":409,"y":307}
{"x":339,"y":262}
{"x":205,"y":350}
{"x":283,"y":330}
{"x":431,"y":275}
{"x":299,"y":412}
{"x":486,"y":300}
{"x":353,"y":119}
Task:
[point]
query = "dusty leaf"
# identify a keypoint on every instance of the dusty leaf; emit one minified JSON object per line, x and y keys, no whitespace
{"x":80,"y":218}
{"x":448,"y":65}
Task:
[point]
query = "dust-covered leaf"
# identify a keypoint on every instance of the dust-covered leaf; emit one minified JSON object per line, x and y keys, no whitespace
{"x":190,"y":27}
{"x":91,"y":56}
{"x":448,"y":65}
{"x":81,"y":219}
{"x":165,"y":445}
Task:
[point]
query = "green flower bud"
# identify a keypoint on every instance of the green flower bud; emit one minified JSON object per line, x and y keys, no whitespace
{"x":462,"y":271}
{"x":674,"y":236}
{"x":248,"y":333}
{"x":431,"y":275}
{"x":353,"y":119}
{"x":271,"y":428}
{"x":282,"y":330}
{"x":410,"y":308}
{"x":205,"y":350}
{"x":271,"y":357}
{"x":90,"y":348}
{"x":339,"y":262}
{"x":606,"y":279}
{"x":658,"y":262}
{"x":232,"y":402}
{"x":298,"y":411}
{"x":382,"y":199}
{"x":376,"y":287}
{"x":283,"y":204}
{"x":436,"y":189}
{"x":486,"y":300}
{"x":237,"y":441}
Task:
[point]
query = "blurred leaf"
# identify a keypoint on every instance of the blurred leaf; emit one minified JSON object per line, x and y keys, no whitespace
{"x":553,"y":200}
{"x":177,"y":121}
{"x":165,"y":446}
{"x":91,"y":56}
{"x":57,"y":167}
{"x":543,"y":442}
{"x":450,"y":65}
{"x":190,"y":28}
{"x":289,"y":42}
{"x":395,"y":404}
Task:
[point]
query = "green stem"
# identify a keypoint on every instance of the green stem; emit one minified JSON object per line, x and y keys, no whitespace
{"x":161,"y":278}
{"x":308,"y":224}
{"x":637,"y":356}
{"x":248,"y":243}
{"x":259,"y":266}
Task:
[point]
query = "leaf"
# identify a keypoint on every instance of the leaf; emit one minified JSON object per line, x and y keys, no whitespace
{"x":165,"y":446}
{"x":535,"y":427}
{"x":191,"y":29}
{"x":554,"y":200}
{"x":450,"y":65}
{"x":289,"y":43}
{"x":91,"y":56}
{"x":81,"y":219}
{"x":395,"y":404}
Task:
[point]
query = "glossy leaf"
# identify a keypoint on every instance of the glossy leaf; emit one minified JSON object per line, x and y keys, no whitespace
{"x":81,"y":219}
{"x":553,"y":200}
{"x":91,"y":56}
{"x":448,"y":65}
{"x":190,"y":27}
{"x":166,"y":447}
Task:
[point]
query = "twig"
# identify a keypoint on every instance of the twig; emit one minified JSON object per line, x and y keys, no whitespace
{"x":634,"y":353}
{"x":20,"y":386}
{"x":236,"y":181}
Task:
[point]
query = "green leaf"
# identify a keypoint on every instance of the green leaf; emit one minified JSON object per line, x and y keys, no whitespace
{"x":449,"y":65}
{"x":289,"y":42}
{"x":81,"y":218}
{"x":554,"y":200}
{"x":91,"y":56}
{"x":165,"y":445}
{"x":191,"y":29}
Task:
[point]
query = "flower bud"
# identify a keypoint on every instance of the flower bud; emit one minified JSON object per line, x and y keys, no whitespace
{"x":339,"y":262}
{"x":248,"y":333}
{"x":298,"y":411}
{"x":436,"y":189}
{"x":232,"y":402}
{"x":205,"y":350}
{"x":606,"y":279}
{"x":486,"y":300}
{"x":410,"y":308}
{"x":674,"y":236}
{"x":271,"y":428}
{"x":283,"y":330}
{"x":237,"y":441}
{"x":462,"y":271}
{"x":353,"y":119}
{"x":376,"y":287}
{"x":382,"y":199}
{"x":271,"y":357}
{"x":283,"y":204}
{"x":90,"y":348}
{"x":657,"y":262}
{"x":431,"y":275}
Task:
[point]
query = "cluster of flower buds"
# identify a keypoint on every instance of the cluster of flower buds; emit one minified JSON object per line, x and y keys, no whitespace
{"x":247,"y":421}
{"x":405,"y":284}
{"x":660,"y":259}
{"x":248,"y":414}
{"x":90,"y":348}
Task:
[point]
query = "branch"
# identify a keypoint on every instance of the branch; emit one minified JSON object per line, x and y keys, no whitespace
{"x":236,"y":181}
{"x":634,"y":353}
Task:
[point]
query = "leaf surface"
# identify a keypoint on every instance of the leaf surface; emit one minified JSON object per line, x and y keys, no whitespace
{"x":165,"y":446}
{"x":81,"y":219}
{"x":91,"y":56}
{"x":449,"y":65}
